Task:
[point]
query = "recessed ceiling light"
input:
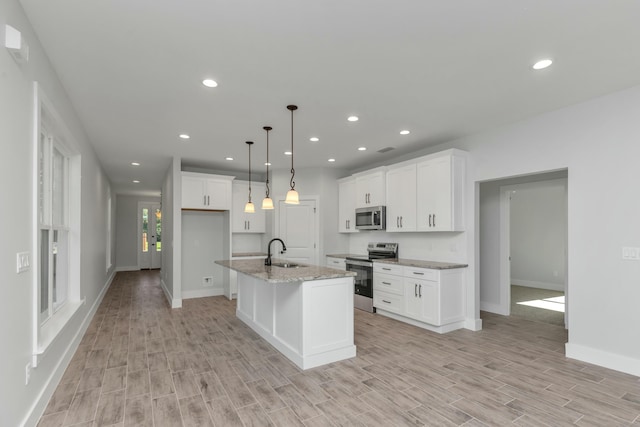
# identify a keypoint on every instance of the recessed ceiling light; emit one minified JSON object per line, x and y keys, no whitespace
{"x":135,"y":164}
{"x":184,"y":136}
{"x":228,"y":158}
{"x":353,"y":118}
{"x":267,"y":163}
{"x":135,"y":181}
{"x":404,"y":132}
{"x":362,"y":148}
{"x":287,"y":153}
{"x":209,"y":83}
{"x":331,"y":160}
{"x":544,"y":63}
{"x":314,"y":139}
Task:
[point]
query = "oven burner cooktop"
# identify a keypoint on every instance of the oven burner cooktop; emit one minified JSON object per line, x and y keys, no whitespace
{"x":378,"y":251}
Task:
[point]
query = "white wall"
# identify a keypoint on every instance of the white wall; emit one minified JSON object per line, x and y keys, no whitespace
{"x":127,"y":229}
{"x":171,"y":234}
{"x":538,"y":234}
{"x":22,"y":403}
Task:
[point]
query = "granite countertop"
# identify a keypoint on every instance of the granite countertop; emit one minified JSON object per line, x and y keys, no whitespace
{"x":247,"y":254}
{"x":434,"y":265}
{"x":273,"y":274}
{"x":345,"y":255}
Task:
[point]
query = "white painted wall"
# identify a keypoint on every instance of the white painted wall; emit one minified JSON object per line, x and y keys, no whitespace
{"x":538,"y":234}
{"x":22,"y":404}
{"x":127,"y":229}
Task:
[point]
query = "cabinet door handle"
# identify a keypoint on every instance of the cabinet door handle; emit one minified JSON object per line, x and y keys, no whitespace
{"x":204,"y":200}
{"x":386,"y":302}
{"x":434,"y":220}
{"x":387,"y":269}
{"x":429,"y":220}
{"x":208,"y":201}
{"x":415,"y":289}
{"x":386,"y":283}
{"x":420,"y":291}
{"x":400,"y":222}
{"x":248,"y":225}
{"x":418,"y":273}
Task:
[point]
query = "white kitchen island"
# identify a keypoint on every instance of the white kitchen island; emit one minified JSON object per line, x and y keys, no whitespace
{"x":306,"y":312}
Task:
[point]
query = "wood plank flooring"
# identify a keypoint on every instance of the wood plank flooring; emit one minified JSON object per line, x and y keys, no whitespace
{"x":142,"y":364}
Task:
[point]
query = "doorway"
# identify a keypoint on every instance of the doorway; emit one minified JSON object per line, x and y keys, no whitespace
{"x":149,"y":236}
{"x":298,"y":227}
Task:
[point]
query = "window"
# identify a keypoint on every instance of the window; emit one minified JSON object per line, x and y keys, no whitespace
{"x":56,"y":224}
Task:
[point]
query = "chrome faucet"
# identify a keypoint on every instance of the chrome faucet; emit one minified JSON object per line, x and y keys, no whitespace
{"x":267,"y":261}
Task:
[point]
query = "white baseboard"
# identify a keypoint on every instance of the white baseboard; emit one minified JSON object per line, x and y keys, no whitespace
{"x":473,"y":324}
{"x":173,"y":302}
{"x":603,"y":358}
{"x":201,"y":293}
{"x":493,"y":308}
{"x":40,"y":404}
{"x":128,"y":268}
{"x":540,"y":285}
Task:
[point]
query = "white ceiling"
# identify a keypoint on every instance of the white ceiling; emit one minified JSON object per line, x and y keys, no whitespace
{"x":442,"y":69}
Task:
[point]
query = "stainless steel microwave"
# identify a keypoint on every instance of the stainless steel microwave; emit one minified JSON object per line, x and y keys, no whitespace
{"x":372,"y":218}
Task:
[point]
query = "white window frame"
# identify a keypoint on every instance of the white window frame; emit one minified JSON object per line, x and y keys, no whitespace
{"x":49,"y":122}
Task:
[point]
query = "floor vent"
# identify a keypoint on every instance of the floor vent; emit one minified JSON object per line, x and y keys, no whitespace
{"x":386,"y":149}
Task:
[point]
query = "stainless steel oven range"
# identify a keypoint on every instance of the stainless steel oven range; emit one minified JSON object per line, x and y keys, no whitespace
{"x":363,"y":267}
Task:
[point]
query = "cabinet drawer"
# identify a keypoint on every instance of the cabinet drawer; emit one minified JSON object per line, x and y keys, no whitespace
{"x":387,"y":301}
{"x":421,"y":273}
{"x":339,"y":263}
{"x":379,"y":267}
{"x":388,"y":283}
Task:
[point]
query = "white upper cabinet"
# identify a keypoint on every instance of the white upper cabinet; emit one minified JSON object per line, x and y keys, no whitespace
{"x":347,"y":205}
{"x":247,"y":222}
{"x":440,"y":185}
{"x":205,"y":191}
{"x":370,"y":188}
{"x":401,"y":198}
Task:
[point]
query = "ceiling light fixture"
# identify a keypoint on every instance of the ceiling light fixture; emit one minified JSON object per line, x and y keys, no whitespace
{"x":249,"y":208}
{"x":353,"y":118}
{"x":362,"y":148}
{"x":331,"y":160}
{"x":292,"y":195}
{"x":228,"y":158}
{"x":184,"y":136}
{"x":287,"y":153}
{"x":267,"y":203}
{"x":135,"y":164}
{"x":314,"y":139}
{"x":210,"y":83}
{"x":544,"y":63}
{"x":135,"y":181}
{"x":404,"y":132}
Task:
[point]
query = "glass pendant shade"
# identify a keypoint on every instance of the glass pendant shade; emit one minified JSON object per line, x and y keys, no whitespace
{"x":267,"y":203}
{"x":249,"y":208}
{"x":292,"y":198}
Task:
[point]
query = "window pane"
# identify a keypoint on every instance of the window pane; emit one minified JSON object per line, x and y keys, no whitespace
{"x":60,"y":267}
{"x":158,"y":230}
{"x":145,"y":230}
{"x":59,"y":188}
{"x":44,"y":273}
{"x":42,"y":189}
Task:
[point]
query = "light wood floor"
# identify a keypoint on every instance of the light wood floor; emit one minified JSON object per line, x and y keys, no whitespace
{"x":141,"y":363}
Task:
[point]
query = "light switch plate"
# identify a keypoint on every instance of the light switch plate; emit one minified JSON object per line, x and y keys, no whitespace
{"x":631,"y":253}
{"x":23,"y":263}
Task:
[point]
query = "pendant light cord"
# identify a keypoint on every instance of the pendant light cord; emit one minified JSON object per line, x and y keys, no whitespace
{"x":267,"y":128}
{"x":292,"y":183}
{"x":249,"y":144}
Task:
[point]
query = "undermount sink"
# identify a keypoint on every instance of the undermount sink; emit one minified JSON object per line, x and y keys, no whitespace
{"x":286,"y":265}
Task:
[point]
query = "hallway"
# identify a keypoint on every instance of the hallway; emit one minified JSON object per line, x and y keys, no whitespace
{"x":141,"y":363}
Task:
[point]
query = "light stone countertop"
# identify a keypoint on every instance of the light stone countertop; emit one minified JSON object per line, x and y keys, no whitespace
{"x":273,"y":274}
{"x":434,"y":265}
{"x":247,"y":254}
{"x":345,"y":255}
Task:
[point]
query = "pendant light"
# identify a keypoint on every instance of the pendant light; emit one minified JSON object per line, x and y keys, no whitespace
{"x":249,"y":208}
{"x":267,"y":203}
{"x":292,"y":195}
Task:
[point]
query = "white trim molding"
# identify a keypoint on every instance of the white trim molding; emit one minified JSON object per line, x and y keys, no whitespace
{"x":606,"y":359}
{"x":202,"y":293}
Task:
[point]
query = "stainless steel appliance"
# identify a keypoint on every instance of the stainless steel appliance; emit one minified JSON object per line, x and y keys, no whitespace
{"x":371,"y":218}
{"x":363,"y":267}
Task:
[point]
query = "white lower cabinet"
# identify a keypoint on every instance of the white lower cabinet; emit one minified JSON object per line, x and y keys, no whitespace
{"x":337,"y":263}
{"x":431,"y":299}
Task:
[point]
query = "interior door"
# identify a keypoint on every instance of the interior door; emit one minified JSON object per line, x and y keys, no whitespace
{"x":149,"y":236}
{"x":298,"y":228}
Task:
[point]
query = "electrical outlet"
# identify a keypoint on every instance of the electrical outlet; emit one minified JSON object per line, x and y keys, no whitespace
{"x":27,"y":373}
{"x":631,"y":253}
{"x":207,"y":281}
